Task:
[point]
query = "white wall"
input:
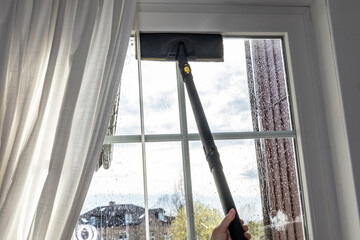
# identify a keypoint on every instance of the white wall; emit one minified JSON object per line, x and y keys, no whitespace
{"x":337,"y":35}
{"x":345,"y":19}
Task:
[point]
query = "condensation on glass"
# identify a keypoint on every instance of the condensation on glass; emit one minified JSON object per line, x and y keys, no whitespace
{"x":223,"y":91}
{"x":247,"y":94}
{"x":166,"y":195}
{"x":161,"y":108}
{"x":278,"y":176}
{"x":115,"y":200}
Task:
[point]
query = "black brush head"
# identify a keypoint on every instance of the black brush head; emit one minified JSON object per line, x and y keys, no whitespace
{"x":164,"y":46}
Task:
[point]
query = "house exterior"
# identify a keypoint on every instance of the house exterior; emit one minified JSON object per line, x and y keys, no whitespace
{"x":124,"y":222}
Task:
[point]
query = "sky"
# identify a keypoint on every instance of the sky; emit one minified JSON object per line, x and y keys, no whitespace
{"x":224,"y":94}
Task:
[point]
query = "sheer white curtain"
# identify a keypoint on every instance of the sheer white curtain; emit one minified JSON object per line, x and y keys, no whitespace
{"x":60,"y":67}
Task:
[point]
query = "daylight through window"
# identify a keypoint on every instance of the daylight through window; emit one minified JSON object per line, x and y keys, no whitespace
{"x":158,"y":184}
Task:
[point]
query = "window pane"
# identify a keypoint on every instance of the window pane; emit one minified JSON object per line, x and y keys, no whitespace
{"x":262,"y":177}
{"x":128,"y":115}
{"x":161,"y":106}
{"x":166,"y":189}
{"x":267,"y":84}
{"x":240,"y":167}
{"x":247,"y":92}
{"x":279,"y":179}
{"x":223,"y":90}
{"x":114,"y":205}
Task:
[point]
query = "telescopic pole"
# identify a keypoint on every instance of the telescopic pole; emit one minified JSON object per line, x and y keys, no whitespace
{"x":210,"y":149}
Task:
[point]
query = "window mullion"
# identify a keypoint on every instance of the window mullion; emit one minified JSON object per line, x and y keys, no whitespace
{"x":186,"y":158}
{"x":141,"y":101}
{"x":196,"y":136}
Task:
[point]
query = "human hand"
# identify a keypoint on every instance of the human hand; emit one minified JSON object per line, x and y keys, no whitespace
{"x":221,"y":232}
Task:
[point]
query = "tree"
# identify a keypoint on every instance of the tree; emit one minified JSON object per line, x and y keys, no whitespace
{"x":256,"y":229}
{"x":205,"y":217}
{"x":172,"y":203}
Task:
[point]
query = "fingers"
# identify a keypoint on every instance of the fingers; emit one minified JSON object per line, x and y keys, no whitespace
{"x":247,"y":236}
{"x":228,"y":235}
{"x":221,"y":232}
{"x":246,"y":228}
{"x":227,"y":220}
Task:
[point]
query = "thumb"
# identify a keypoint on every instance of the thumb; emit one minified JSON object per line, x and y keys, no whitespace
{"x":227,"y":220}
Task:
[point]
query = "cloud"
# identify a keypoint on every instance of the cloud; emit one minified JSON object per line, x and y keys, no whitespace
{"x":251,"y":174}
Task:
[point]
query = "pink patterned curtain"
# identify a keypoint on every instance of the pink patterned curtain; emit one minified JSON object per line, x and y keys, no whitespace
{"x":276,"y":161}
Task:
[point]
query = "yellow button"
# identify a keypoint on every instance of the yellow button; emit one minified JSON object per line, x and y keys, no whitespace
{"x":187,"y":69}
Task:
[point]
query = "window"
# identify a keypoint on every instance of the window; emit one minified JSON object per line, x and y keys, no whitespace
{"x":161,"y":216}
{"x":123,"y":236}
{"x":166,"y":236}
{"x":93,"y":221}
{"x":128,"y":218}
{"x":247,"y":101}
{"x":153,"y":236}
{"x":259,"y":118}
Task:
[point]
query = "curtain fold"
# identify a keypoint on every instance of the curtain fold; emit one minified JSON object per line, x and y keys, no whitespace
{"x":60,"y":67}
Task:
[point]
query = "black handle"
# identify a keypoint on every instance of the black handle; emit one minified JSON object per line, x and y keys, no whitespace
{"x":210,"y":149}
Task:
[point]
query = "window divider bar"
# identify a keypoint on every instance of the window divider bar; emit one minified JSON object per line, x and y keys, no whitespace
{"x":142,"y":137}
{"x":196,"y":137}
{"x":249,"y":135}
{"x":190,"y":220}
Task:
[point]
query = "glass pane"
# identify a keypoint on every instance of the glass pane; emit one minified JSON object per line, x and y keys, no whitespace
{"x":262,"y":177}
{"x":240,"y":167}
{"x":128,"y":115}
{"x":223,"y":90}
{"x":267,"y":84}
{"x":114,"y":204}
{"x":283,"y":216}
{"x":246,"y":92}
{"x":166,"y":190}
{"x":161,"y":108}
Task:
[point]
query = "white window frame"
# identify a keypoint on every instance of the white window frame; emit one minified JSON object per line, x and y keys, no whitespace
{"x":293,"y":24}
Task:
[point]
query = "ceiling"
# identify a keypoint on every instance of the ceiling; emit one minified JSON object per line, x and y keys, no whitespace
{"x":247,"y":2}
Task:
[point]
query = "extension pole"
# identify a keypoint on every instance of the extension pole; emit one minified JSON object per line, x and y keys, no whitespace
{"x":210,"y":149}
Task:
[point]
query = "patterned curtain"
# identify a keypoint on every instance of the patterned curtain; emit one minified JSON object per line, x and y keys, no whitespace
{"x":276,"y":161}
